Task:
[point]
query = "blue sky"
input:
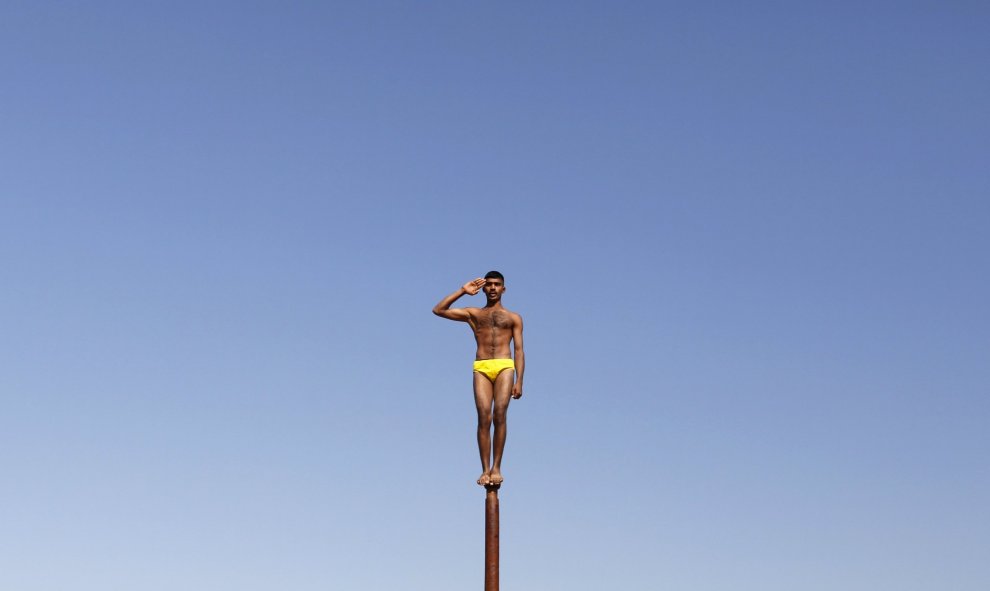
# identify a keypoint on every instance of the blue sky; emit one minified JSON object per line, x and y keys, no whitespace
{"x":749,"y":244}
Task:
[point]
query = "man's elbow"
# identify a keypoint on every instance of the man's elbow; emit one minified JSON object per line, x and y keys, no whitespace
{"x":437,"y":311}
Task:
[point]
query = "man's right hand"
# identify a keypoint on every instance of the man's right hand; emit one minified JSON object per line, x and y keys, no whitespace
{"x":474,"y":286}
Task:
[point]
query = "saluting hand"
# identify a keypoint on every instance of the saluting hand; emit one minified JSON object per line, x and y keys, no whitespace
{"x":474,"y":286}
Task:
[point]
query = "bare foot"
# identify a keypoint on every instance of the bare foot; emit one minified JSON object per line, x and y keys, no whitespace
{"x":484,"y":479}
{"x":495,"y":476}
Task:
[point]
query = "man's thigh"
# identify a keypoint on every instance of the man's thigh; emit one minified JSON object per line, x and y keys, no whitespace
{"x":503,"y":388}
{"x":483,"y":391}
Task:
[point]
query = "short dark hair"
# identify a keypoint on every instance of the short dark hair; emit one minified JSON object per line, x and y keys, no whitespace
{"x":494,"y":275}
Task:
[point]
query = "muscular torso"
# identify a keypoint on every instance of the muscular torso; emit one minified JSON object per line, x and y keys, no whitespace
{"x":492,"y":331}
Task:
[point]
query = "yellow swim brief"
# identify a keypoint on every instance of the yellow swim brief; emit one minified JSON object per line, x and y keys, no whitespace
{"x":492,"y":367}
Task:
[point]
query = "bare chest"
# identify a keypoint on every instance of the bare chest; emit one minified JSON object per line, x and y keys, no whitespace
{"x":493,"y":320}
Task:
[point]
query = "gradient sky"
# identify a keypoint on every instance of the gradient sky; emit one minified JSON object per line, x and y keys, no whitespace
{"x":749,"y":241}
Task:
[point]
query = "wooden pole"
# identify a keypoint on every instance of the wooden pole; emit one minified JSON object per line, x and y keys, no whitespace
{"x":491,"y":537}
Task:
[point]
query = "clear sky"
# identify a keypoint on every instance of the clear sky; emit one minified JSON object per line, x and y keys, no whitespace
{"x":749,"y":241}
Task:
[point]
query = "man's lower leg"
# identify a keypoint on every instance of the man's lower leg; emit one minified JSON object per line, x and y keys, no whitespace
{"x":484,"y":450}
{"x":495,"y":475}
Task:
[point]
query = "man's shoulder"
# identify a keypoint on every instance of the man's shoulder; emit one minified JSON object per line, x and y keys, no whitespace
{"x":471,"y":310}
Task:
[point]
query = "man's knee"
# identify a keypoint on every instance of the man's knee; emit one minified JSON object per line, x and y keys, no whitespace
{"x":484,"y":420}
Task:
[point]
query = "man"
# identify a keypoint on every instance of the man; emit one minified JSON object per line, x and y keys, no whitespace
{"x":496,"y":376}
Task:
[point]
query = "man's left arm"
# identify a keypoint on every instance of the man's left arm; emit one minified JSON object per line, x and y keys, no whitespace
{"x":519,"y":355}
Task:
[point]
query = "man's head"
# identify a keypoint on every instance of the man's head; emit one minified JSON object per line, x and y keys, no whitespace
{"x":494,"y":285}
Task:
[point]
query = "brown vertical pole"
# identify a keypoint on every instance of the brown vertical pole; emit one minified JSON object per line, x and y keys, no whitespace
{"x":491,"y":538}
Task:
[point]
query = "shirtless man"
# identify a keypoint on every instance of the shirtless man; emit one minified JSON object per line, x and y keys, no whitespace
{"x":494,"y":370}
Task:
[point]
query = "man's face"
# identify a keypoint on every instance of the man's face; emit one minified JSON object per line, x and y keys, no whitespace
{"x":494,"y":288}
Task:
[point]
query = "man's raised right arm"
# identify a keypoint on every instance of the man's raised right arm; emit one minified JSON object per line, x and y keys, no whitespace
{"x":443,"y":308}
